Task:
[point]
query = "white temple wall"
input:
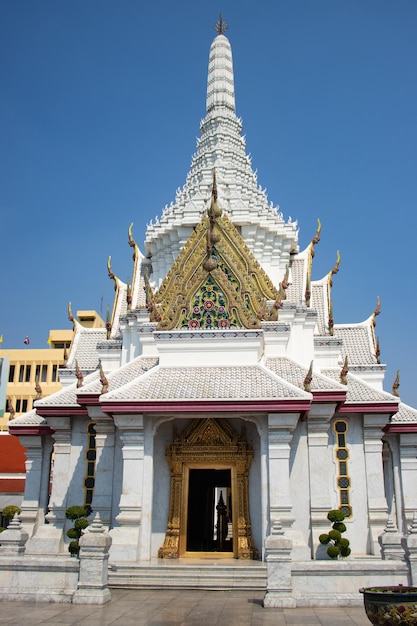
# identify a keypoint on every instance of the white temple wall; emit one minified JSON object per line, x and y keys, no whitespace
{"x":358,"y":525}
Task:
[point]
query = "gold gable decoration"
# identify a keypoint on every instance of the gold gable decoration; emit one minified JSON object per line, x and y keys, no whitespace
{"x":215,"y":282}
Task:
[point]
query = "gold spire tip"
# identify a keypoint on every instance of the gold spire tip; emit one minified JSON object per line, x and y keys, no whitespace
{"x":221,"y":26}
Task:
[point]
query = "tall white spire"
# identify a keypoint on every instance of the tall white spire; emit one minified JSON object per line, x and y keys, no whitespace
{"x":220,"y":81}
{"x":223,"y":147}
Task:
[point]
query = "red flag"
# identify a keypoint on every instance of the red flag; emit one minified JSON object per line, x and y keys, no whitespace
{"x":26,"y":341}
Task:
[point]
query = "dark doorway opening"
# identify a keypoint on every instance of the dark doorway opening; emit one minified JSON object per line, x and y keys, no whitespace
{"x":209,"y":520}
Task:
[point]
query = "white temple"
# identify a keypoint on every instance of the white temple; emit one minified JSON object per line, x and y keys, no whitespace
{"x":222,"y":413}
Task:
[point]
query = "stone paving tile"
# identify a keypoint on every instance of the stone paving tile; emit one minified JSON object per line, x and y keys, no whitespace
{"x":178,"y":608}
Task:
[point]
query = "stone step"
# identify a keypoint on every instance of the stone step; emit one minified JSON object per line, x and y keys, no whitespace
{"x":191,"y":575}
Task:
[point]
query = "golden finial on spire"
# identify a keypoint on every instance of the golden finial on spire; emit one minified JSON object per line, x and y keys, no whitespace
{"x":221,"y":26}
{"x":396,"y":384}
{"x":308,"y":378}
{"x":344,"y":372}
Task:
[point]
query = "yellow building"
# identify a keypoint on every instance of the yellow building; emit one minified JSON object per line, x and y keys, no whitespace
{"x":33,"y":373}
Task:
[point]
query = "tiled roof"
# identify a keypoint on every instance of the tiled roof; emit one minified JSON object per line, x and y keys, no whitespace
{"x":68,"y":395}
{"x":121,"y":376}
{"x":84,"y":347}
{"x":207,"y":383}
{"x":357,"y":343}
{"x":295,"y":374}
{"x":28,"y":419}
{"x":358,"y":390}
{"x":406,"y":414}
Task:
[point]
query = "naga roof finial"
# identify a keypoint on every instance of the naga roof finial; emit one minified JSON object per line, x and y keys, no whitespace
{"x":78,"y":374}
{"x":344,"y":372}
{"x":308,"y":378}
{"x":38,"y":388}
{"x":396,"y":384}
{"x":103,"y":379}
{"x":10,"y":409}
{"x":70,"y":315}
{"x":111,"y":274}
{"x":333,"y":271}
{"x":108,"y":322}
{"x":221,"y":26}
{"x":377,"y":310}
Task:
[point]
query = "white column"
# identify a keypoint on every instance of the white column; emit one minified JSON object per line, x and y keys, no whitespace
{"x":103,"y":483}
{"x":125,"y":536}
{"x":377,"y":503}
{"x":48,"y":538}
{"x":280,"y":432}
{"x":38,"y":453}
{"x":321,"y":472}
{"x":408,"y":460}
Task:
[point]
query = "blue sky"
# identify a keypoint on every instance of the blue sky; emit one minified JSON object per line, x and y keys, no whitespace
{"x":100,"y":105}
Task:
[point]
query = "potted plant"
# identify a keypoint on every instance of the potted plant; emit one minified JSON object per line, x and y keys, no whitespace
{"x":391,"y":605}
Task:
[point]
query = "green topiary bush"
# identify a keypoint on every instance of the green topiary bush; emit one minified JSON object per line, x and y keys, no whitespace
{"x":78,"y":515}
{"x":339,"y":545}
{"x":10,"y":511}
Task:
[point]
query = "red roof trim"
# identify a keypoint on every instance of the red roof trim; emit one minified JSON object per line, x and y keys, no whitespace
{"x":371,"y":407}
{"x":181,"y":406}
{"x":62,"y":411}
{"x":329,"y":396}
{"x":30,"y":430}
{"x":88,"y":399}
{"x":400,"y":428}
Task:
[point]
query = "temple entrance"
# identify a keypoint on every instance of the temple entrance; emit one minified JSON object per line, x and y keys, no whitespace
{"x":209,"y":493}
{"x":209,"y":511}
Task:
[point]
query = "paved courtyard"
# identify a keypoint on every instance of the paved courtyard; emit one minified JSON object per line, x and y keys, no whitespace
{"x":163,"y":608}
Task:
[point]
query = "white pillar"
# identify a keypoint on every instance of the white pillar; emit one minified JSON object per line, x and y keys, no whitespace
{"x":408,"y":460}
{"x":321,"y":472}
{"x":48,"y":538}
{"x":280,"y":432}
{"x":377,"y":503}
{"x":38,"y":450}
{"x":103,"y":483}
{"x":126,"y":535}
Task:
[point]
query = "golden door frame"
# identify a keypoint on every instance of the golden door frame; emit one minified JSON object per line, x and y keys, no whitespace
{"x":208,"y":444}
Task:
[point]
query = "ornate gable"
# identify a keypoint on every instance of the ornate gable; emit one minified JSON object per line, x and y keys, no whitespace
{"x":215,"y":282}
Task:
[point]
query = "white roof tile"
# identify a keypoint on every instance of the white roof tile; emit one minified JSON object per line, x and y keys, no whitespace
{"x":295,"y":374}
{"x":358,"y":390}
{"x":206,"y":383}
{"x":406,"y":414}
